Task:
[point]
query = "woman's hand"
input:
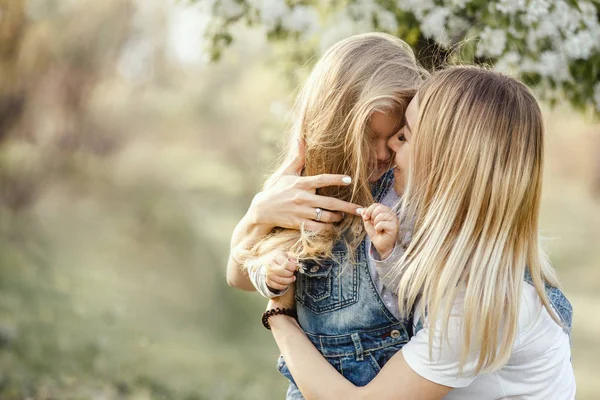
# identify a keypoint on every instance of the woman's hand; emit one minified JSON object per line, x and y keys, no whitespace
{"x":291,"y":200}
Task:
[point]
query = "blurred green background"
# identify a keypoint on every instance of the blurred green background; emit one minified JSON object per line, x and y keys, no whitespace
{"x":125,"y":161}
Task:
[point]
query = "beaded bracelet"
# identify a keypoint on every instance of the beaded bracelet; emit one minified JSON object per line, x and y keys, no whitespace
{"x":290,"y":312}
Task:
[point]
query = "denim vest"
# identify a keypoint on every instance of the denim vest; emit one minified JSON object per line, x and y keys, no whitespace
{"x":343,"y":315}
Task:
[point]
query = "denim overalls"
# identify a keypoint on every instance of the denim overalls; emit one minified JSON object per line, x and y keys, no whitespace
{"x":559,"y":302}
{"x":343,"y":315}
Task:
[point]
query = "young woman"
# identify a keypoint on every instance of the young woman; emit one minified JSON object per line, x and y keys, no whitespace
{"x":490,"y":322}
{"x":351,"y":104}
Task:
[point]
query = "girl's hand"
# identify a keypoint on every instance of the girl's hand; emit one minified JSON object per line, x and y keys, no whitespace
{"x":382,"y":225}
{"x":285,"y":301}
{"x":291,"y":200}
{"x":280,"y":270}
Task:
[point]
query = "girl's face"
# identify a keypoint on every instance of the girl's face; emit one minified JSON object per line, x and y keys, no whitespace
{"x":400,"y":145}
{"x":383,"y":127}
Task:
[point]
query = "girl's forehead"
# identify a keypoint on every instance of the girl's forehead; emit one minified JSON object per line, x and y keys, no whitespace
{"x":385,"y":124}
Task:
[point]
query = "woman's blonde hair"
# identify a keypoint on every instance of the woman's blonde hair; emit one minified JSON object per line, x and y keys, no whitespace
{"x":356,"y":77}
{"x":473,"y":195}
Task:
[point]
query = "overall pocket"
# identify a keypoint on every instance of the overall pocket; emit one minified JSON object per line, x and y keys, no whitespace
{"x":327,"y":285}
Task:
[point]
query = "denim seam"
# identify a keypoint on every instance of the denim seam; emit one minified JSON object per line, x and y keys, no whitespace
{"x":368,"y":351}
{"x":370,"y":331}
{"x":374,"y":362}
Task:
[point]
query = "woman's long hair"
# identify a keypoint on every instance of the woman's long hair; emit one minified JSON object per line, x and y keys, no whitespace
{"x":355,"y":78}
{"x":473,"y":195}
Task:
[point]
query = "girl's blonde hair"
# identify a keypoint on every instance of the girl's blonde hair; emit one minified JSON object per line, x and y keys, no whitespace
{"x":473,"y":194}
{"x":356,"y":77}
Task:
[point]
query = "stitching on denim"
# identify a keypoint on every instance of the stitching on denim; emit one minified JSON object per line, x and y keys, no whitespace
{"x":352,"y":354}
{"x":374,"y":331}
{"x":333,"y":305}
{"x":311,"y":284}
{"x":374,"y":363}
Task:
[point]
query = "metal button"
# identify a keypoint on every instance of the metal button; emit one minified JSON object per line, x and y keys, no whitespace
{"x":314,"y":269}
{"x":395,"y":334}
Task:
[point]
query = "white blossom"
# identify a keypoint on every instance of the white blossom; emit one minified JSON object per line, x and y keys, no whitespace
{"x":457,"y":26}
{"x":366,"y":9}
{"x":271,"y":12}
{"x":597,"y":96}
{"x":301,"y":19}
{"x":508,"y":63}
{"x":362,"y":8}
{"x":340,"y":26}
{"x":418,"y":7}
{"x":387,"y":20}
{"x":565,"y":17}
{"x":529,"y":65}
{"x":580,"y":46}
{"x":230,"y":8}
{"x":510,"y":7}
{"x":554,"y":65}
{"x":515,"y":33}
{"x":459,"y":3}
{"x":546,"y":29}
{"x":434,"y":25}
{"x":536,"y":9}
{"x":589,"y":14}
{"x":492,"y":43}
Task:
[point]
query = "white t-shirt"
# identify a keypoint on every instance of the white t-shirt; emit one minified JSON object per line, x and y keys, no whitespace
{"x":539,"y":366}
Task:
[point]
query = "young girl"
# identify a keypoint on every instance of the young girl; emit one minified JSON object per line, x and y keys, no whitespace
{"x":490,"y":322}
{"x":351,"y":104}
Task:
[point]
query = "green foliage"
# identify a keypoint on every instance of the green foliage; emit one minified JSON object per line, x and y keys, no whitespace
{"x":552,"y":45}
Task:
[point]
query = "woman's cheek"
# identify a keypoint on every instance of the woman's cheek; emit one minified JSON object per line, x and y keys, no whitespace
{"x":400,"y":158}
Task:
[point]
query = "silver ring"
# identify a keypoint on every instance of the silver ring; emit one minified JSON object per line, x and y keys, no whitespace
{"x":319,"y":213}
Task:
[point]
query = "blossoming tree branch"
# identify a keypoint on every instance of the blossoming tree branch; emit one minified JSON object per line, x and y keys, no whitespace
{"x":554,"y":45}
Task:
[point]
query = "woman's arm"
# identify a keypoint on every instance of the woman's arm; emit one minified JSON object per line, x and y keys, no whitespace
{"x":290,"y":202}
{"x":318,"y":380}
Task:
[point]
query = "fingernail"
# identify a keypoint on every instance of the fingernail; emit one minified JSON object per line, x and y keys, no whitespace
{"x":359,"y":211}
{"x":347,"y":180}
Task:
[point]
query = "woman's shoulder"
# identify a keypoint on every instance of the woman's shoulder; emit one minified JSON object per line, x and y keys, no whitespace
{"x":537,"y":329}
{"x":533,"y":319}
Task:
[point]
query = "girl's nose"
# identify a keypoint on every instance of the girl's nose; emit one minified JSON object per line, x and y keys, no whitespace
{"x":383,"y":152}
{"x":393,"y":143}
